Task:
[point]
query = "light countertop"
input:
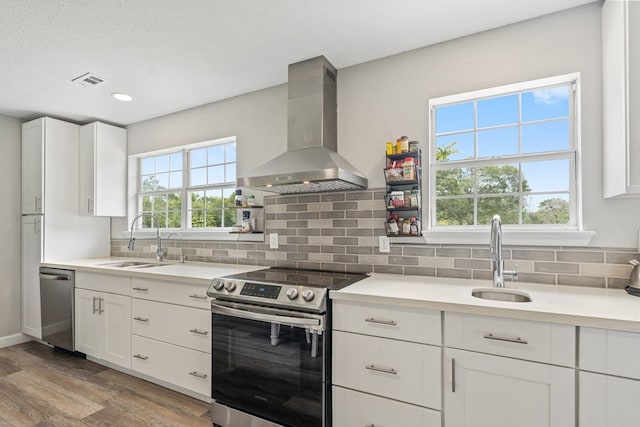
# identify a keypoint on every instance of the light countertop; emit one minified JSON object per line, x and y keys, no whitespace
{"x":188,"y":272}
{"x":581,"y":306}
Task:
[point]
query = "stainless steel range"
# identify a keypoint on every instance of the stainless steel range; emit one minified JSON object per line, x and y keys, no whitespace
{"x":271,"y":348}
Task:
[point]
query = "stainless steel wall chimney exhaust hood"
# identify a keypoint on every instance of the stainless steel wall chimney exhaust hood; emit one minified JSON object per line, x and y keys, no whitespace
{"x":311,"y":163}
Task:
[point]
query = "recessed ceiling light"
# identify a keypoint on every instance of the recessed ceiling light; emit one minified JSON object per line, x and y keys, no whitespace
{"x":122,"y":97}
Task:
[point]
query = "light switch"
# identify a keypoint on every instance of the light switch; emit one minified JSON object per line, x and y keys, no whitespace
{"x":273,"y":240}
{"x":385,"y":245}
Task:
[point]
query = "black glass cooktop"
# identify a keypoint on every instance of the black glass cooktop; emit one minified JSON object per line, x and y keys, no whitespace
{"x":331,"y":280}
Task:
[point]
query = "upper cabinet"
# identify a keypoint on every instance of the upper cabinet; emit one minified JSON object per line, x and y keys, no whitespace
{"x":33,"y":166}
{"x":621,"y":97}
{"x":103,"y":170}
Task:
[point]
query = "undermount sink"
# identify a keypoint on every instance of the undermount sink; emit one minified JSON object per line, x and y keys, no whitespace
{"x":133,"y":264}
{"x":498,"y":294}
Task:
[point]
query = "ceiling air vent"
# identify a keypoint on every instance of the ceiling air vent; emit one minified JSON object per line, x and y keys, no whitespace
{"x":89,"y":80}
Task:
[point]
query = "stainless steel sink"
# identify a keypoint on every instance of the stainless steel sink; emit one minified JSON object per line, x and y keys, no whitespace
{"x":498,"y":294}
{"x":133,"y":264}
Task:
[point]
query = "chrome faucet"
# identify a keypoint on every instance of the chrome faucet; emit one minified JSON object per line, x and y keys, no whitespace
{"x":160,"y":252}
{"x":183,"y":257}
{"x":495,"y":245}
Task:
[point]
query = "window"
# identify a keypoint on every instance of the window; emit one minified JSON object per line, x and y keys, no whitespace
{"x":511,"y":151}
{"x":189,"y":188}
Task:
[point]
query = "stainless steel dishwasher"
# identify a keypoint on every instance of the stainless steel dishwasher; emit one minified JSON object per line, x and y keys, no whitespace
{"x":56,"y":306}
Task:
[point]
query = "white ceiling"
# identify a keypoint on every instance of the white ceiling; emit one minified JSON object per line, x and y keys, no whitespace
{"x":171,"y":55}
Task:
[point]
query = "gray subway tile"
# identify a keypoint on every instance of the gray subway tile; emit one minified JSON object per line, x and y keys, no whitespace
{"x":247,"y":246}
{"x":420,"y":271}
{"x":533,"y":255}
{"x":270,"y":216}
{"x":228,"y":245}
{"x":297,"y":256}
{"x":345,"y":206}
{"x":392,"y":269}
{"x":347,"y":259}
{"x":246,"y":261}
{"x":308,"y":198}
{"x":473,"y":264}
{"x":453,"y":272}
{"x":297,"y":224}
{"x":556,"y":267}
{"x":286,"y":200}
{"x":292,"y":240}
{"x":332,"y":249}
{"x":308,"y":231}
{"x":332,"y":215}
{"x":287,"y":215}
{"x":403,"y":260}
{"x":359,"y":195}
{"x":333,"y":232}
{"x":287,"y":264}
{"x":418,"y":251}
{"x":617,"y":283}
{"x":545,"y":279}
{"x":309,"y":265}
{"x":297,"y":208}
{"x":360,"y":232}
{"x":453,"y":252}
{"x":309,"y":248}
{"x":332,"y":197}
{"x":363,"y":250}
{"x":333,"y":266}
{"x":359,"y":214}
{"x":621,"y":257}
{"x":359,"y":268}
{"x":345,"y":223}
{"x":482,"y":274}
{"x":590,"y":281}
{"x":580,"y":256}
{"x":308,"y":215}
{"x":345,"y":240}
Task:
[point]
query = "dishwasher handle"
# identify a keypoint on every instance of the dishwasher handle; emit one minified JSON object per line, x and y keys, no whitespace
{"x":55,"y":276}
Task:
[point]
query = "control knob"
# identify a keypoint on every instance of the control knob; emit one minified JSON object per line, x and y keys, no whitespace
{"x":218,"y":284}
{"x":292,"y":293}
{"x":308,"y":295}
{"x":230,"y":286}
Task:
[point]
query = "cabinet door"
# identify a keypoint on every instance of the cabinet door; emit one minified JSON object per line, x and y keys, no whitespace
{"x":607,"y":401}
{"x":32,"y":166}
{"x":31,"y":257}
{"x":482,"y":390}
{"x":115,"y":311}
{"x":87,"y":323}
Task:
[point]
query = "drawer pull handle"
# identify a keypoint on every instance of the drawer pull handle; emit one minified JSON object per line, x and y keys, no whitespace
{"x":197,"y":331}
{"x":380,"y":369}
{"x":196,"y":296}
{"x":140,"y":289}
{"x":453,"y":375}
{"x":381,"y":321}
{"x":516,"y":340}
{"x":198,"y":374}
{"x":140,"y":356}
{"x":141,"y":319}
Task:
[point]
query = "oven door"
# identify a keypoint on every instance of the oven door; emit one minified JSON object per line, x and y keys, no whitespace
{"x":269,"y":363}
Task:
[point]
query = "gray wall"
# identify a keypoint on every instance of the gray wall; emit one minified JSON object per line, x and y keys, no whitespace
{"x":383,"y":99}
{"x":10,"y":288}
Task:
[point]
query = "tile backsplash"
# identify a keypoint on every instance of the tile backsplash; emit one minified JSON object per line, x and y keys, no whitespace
{"x":339,"y":231}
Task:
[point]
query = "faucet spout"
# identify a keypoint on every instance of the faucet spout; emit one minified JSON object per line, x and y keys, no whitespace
{"x":183,"y":257}
{"x":495,"y":245}
{"x":160,"y":252}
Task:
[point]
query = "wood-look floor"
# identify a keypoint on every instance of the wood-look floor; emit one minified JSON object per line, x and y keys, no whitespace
{"x":41,"y":386}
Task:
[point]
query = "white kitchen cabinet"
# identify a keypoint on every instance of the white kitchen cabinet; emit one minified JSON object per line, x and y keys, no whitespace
{"x":621,"y":97}
{"x":31,"y":257}
{"x":482,"y":390}
{"x":102,"y":170}
{"x":609,"y":386}
{"x":33,"y":137}
{"x":387,"y":365}
{"x":493,"y":375}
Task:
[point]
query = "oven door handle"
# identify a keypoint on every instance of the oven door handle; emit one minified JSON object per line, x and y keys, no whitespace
{"x":243,"y":314}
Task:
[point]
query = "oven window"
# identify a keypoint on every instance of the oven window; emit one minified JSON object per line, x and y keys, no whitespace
{"x":275,"y":379}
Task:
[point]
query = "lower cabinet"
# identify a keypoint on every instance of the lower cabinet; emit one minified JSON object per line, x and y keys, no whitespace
{"x":103,"y":326}
{"x":484,"y":390}
{"x":353,"y":408}
{"x":607,"y":401}
{"x":183,"y":367}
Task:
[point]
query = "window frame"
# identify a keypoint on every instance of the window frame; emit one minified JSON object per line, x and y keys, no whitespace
{"x":136,"y":194}
{"x":571,"y":234}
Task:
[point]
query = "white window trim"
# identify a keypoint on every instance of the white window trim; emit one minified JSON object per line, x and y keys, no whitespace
{"x":132,"y":202}
{"x":513,"y":235}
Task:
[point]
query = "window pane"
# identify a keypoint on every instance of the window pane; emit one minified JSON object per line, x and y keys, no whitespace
{"x":162,"y":181}
{"x":228,"y":195}
{"x":546,"y":103}
{"x":159,"y":204}
{"x":454,"y":211}
{"x":547,"y":209}
{"x":498,"y":111}
{"x":214,"y":218}
{"x":216,"y":154}
{"x":162,"y":219}
{"x":507,"y":207}
{"x":197,"y":199}
{"x":149,"y":183}
{"x":499,"y":179}
{"x":454,"y":182}
{"x":498,"y":142}
{"x":146,"y":203}
{"x":216,"y":174}
{"x":231,"y":152}
{"x":213,"y":199}
{"x":162,"y":163}
{"x":454,"y":147}
{"x":198,"y":176}
{"x":197,"y":219}
{"x":230,"y":172}
{"x":550,"y":175}
{"x":175,"y":161}
{"x":547,"y":136}
{"x":148,"y":166}
{"x":174,"y":210}
{"x":454,"y":118}
{"x":198,"y":157}
{"x":175,"y":179}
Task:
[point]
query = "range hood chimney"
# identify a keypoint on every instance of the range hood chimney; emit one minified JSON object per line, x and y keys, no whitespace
{"x":311,"y":163}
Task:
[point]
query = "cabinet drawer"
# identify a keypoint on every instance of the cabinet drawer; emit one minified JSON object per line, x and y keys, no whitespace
{"x":610,"y":352}
{"x":174,"y":324}
{"x":180,"y":366}
{"x":400,"y":370}
{"x":103,"y":282}
{"x":520,"y":339}
{"x":402,"y":323}
{"x":172,"y":292}
{"x":351,"y":408}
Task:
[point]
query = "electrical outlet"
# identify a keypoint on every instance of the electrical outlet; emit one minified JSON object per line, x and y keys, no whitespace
{"x":273,"y":240}
{"x":385,"y":245}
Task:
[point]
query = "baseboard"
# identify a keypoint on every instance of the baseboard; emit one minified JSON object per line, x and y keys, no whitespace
{"x":14,"y":339}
